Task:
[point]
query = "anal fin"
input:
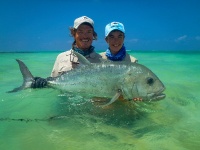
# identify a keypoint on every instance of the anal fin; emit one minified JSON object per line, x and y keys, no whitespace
{"x":115,"y":97}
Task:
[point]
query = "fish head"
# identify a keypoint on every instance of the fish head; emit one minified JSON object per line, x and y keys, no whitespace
{"x":140,"y":83}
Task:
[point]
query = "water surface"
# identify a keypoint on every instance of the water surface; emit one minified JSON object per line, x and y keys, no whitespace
{"x":47,"y":119}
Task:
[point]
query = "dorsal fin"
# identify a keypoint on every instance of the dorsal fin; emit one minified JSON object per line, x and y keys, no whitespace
{"x":82,"y":59}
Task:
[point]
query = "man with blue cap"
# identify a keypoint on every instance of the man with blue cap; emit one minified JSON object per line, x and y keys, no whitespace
{"x":114,"y":36}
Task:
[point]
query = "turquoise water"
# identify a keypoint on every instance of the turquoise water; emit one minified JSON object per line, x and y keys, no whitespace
{"x":47,"y":119}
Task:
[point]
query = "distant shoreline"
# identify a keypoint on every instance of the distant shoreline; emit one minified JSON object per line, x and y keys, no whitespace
{"x":99,"y":51}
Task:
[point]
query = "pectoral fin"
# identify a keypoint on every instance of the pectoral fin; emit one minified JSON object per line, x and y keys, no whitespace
{"x":115,"y":97}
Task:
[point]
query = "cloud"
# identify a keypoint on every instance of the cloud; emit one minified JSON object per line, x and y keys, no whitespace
{"x":182,"y":38}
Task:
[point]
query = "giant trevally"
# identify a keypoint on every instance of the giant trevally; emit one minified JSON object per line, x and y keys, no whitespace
{"x":133,"y":81}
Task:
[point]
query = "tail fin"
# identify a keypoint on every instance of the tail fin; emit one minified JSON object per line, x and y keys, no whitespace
{"x":27,"y":76}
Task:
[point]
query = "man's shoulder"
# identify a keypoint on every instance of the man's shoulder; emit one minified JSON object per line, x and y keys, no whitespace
{"x":131,"y":58}
{"x":94,"y":55}
{"x":103,"y":55}
{"x":65,"y":53}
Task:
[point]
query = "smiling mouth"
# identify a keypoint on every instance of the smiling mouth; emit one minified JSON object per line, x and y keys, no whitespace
{"x":85,"y":40}
{"x":116,"y":45}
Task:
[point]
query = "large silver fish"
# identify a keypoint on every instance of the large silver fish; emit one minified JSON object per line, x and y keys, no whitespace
{"x":106,"y":80}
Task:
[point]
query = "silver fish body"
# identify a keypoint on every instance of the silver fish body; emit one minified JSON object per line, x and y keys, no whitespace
{"x":107,"y":79}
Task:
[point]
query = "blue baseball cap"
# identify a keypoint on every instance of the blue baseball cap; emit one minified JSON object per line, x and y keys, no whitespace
{"x":114,"y":26}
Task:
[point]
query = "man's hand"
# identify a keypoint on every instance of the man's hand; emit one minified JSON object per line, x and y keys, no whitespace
{"x":39,"y":82}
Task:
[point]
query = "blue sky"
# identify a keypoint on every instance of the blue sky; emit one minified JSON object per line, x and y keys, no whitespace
{"x":154,"y":25}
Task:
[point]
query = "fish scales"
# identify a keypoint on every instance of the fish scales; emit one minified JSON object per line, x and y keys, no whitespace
{"x":133,"y":81}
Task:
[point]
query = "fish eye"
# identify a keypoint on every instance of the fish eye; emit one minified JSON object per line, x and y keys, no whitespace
{"x":150,"y":81}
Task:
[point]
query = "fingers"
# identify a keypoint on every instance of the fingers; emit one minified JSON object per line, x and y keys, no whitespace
{"x":39,"y":82}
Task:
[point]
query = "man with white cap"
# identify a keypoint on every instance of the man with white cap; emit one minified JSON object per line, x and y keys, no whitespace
{"x":114,"y":36}
{"x":83,"y":34}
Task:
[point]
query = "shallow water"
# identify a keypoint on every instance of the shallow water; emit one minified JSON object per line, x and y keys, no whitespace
{"x":47,"y":119}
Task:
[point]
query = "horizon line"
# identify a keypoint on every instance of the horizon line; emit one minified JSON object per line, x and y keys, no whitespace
{"x":43,"y":51}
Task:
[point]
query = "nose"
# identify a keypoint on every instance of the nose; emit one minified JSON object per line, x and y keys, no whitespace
{"x":86,"y":34}
{"x":115,"y":39}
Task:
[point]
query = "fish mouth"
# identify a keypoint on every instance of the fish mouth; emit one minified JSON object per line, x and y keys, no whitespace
{"x":156,"y":96}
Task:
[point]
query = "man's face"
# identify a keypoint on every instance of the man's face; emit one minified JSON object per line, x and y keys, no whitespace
{"x":84,"y":36}
{"x":115,"y":40}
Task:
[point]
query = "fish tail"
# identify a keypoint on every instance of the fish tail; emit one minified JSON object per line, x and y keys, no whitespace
{"x":27,"y":77}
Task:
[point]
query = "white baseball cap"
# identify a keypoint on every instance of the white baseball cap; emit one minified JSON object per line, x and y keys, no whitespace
{"x":83,"y":19}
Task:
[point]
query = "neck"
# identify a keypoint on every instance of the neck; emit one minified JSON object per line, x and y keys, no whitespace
{"x":84,"y":52}
{"x":119,"y":56}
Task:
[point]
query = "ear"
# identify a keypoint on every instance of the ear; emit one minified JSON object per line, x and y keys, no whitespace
{"x":73,"y":32}
{"x":94,"y":35}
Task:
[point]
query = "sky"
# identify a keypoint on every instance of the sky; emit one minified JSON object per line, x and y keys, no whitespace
{"x":150,"y":25}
